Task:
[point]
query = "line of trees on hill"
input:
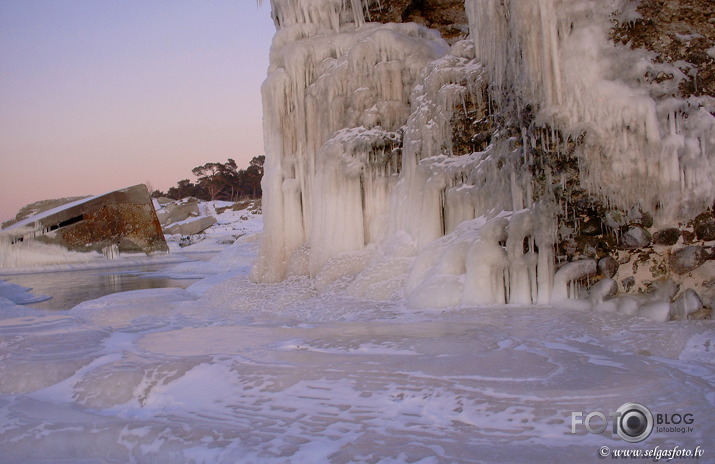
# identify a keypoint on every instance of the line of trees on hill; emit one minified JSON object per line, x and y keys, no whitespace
{"x":220,"y":181}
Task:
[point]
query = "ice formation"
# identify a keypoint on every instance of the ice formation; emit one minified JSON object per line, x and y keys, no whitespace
{"x":358,"y":121}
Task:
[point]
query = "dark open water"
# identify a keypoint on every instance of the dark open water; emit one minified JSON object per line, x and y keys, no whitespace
{"x":69,"y":288}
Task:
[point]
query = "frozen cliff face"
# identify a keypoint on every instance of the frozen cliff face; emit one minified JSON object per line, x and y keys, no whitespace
{"x":335,"y":100}
{"x":641,"y":144}
{"x":467,"y":173}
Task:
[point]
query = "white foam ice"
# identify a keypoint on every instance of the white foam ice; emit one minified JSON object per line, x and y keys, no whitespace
{"x":246,"y":372}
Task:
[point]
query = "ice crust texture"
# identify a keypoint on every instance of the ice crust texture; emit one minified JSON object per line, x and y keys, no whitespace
{"x":274,"y":373}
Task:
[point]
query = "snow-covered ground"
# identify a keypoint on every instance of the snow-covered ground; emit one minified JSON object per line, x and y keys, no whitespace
{"x":228,"y":371}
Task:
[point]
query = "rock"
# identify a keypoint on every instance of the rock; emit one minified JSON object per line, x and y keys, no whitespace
{"x":688,"y":237}
{"x":667,"y":237}
{"x":687,"y":259}
{"x":591,"y":226}
{"x":569,"y":247}
{"x":191,"y":227}
{"x":702,"y":313}
{"x":164,"y":200}
{"x":614,"y":219}
{"x":636,"y":216}
{"x":647,"y":220}
{"x":688,"y":303}
{"x":704,"y":226}
{"x":635,"y":237}
{"x":447,"y":16}
{"x":608,"y":266}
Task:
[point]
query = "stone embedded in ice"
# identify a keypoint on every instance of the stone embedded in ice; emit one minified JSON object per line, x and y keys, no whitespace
{"x":665,"y":290}
{"x":442,"y":291}
{"x":688,"y":303}
{"x":603,"y":290}
{"x":658,"y":311}
{"x":628,"y":305}
{"x":565,"y":279}
{"x":637,"y":216}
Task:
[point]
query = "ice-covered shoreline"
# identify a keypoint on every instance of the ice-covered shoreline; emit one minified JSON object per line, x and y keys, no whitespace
{"x":232,"y":371}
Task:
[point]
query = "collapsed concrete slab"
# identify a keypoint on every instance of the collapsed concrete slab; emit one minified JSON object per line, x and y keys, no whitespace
{"x":191,"y":226}
{"x":123,"y":220}
{"x":177,"y":211}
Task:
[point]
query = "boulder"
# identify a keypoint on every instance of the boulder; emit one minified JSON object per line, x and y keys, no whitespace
{"x":635,"y":237}
{"x":191,"y":227}
{"x":591,"y":225}
{"x":667,"y":237}
{"x":704,"y":227}
{"x":688,"y":258}
{"x":608,"y":266}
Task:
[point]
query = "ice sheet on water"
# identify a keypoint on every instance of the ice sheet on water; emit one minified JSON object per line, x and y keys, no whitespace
{"x":280,"y":373}
{"x":132,"y":311}
{"x":19,"y":294}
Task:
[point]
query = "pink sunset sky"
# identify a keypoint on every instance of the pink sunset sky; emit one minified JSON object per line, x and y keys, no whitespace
{"x":100,"y":95}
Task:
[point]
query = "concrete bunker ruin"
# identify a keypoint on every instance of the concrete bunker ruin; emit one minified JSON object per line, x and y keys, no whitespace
{"x":123,"y":220}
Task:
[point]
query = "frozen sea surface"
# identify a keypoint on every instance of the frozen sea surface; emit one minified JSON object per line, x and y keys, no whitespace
{"x":228,"y":371}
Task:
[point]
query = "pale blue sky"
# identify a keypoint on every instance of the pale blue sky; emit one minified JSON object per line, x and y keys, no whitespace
{"x":97,"y":95}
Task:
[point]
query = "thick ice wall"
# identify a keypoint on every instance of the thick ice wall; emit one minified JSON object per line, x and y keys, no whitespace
{"x":362,"y":126}
{"x":364,"y":144}
{"x":334,"y":105}
{"x":438,"y":189}
{"x":640,"y":146}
